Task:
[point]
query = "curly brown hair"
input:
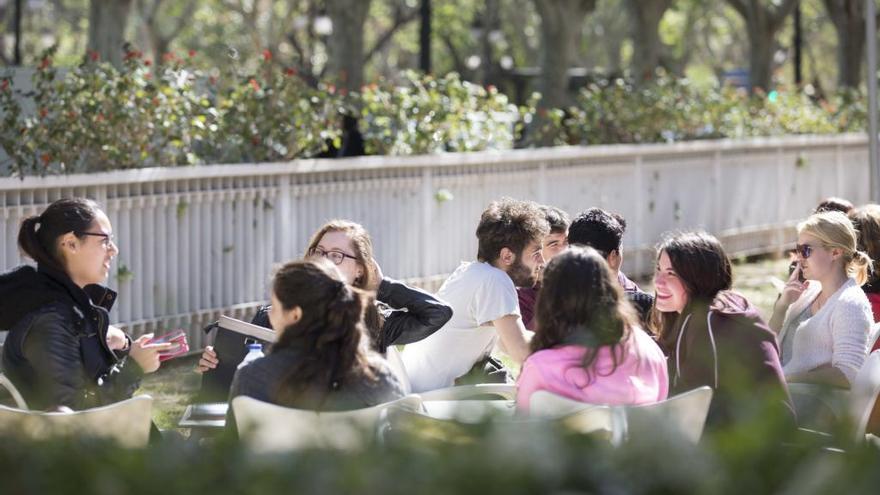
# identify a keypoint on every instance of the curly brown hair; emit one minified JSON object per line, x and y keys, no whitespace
{"x":512,"y":224}
{"x":582,"y":303}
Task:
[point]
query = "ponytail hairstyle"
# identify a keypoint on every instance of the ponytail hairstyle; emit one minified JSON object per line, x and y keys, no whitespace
{"x":38,"y":235}
{"x":330,"y":332}
{"x":835,"y":231}
{"x":866,"y":220}
{"x":581,"y":303}
{"x":703,"y":267}
{"x":362,"y":246}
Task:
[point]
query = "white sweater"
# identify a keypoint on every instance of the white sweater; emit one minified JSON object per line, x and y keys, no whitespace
{"x":837,"y":334}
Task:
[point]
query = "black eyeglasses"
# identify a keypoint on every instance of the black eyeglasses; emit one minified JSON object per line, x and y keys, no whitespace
{"x":107,"y":238}
{"x":337,"y":257}
{"x":805,"y":250}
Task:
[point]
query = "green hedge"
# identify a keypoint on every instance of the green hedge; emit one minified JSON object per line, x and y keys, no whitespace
{"x":97,"y":118}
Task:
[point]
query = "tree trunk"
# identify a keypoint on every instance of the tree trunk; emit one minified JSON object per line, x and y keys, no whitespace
{"x":345,"y":46}
{"x":107,"y":21}
{"x":762,"y":23}
{"x":647,"y":47}
{"x":848,"y":17}
{"x":561,"y":23}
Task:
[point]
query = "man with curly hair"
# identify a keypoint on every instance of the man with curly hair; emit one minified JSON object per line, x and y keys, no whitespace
{"x":484,"y":301}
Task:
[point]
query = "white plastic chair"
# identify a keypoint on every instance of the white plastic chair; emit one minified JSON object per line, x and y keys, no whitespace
{"x":266,"y":427}
{"x":478,"y":391}
{"x":16,"y":395}
{"x":392,"y":355}
{"x":863,"y":395}
{"x":684,"y":414}
{"x":127,"y":422}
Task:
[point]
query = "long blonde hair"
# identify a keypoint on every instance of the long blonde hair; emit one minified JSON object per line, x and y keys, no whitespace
{"x":834,"y":230}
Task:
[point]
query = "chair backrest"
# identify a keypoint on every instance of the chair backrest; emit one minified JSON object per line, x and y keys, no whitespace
{"x":392,"y":355}
{"x":874,"y":337}
{"x":269,"y":427}
{"x":126,"y":422}
{"x":684,"y":414}
{"x":863,"y":395}
{"x":16,"y":395}
{"x":480,"y":391}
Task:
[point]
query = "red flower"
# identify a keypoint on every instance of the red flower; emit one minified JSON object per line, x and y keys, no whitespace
{"x":99,"y":117}
{"x":168,"y":57}
{"x":191,"y":53}
{"x":148,"y":62}
{"x":491,"y":88}
{"x":43,"y":113}
{"x":255,"y":140}
{"x":254,"y":84}
{"x":290,"y":71}
{"x":267,"y":55}
{"x":46,"y":158}
{"x":343,"y":91}
{"x":4,"y":85}
{"x":155,"y":101}
{"x":331,"y":89}
{"x":93,"y":55}
{"x":45,"y":62}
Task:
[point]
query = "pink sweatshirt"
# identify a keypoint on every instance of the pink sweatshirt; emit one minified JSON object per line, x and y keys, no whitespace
{"x":640,"y":377}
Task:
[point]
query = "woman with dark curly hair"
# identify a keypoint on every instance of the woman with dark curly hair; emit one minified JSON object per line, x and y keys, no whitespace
{"x":588,"y":345}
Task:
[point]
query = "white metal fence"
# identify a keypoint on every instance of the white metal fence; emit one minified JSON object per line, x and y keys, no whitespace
{"x":199,"y":241}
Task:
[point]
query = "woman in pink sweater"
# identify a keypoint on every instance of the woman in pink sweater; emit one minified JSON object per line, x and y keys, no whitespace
{"x":588,"y":345}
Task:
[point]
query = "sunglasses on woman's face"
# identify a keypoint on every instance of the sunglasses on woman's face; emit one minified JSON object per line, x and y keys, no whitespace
{"x":805,"y":250}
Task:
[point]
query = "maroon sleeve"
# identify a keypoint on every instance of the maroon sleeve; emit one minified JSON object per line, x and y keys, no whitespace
{"x":527,"y":297}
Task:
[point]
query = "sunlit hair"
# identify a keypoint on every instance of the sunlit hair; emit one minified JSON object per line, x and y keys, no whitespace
{"x":866,"y":220}
{"x":581,"y":303}
{"x":835,"y":231}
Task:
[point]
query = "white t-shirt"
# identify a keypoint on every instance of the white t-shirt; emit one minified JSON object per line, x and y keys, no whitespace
{"x":479,"y":293}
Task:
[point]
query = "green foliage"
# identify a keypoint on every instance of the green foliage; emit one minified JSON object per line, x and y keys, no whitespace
{"x":430,"y":115}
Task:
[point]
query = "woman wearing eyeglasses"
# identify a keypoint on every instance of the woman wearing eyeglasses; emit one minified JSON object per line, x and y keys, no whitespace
{"x":824,"y":322}
{"x":402,"y":315}
{"x":61,"y":351}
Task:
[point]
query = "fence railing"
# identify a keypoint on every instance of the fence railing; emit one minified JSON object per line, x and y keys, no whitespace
{"x":200,"y":241}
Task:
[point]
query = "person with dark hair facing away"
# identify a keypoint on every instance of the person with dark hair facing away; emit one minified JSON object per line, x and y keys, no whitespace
{"x":714,"y":336}
{"x":401,"y":315}
{"x":554,"y":243}
{"x":834,"y":204}
{"x":588,"y":345}
{"x":866,"y":220}
{"x":603,"y":231}
{"x":321,"y":358}
{"x":483,"y":299}
{"x":61,"y":351}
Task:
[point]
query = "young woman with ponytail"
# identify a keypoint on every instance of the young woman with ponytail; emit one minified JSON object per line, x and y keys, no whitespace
{"x":321,"y":359}
{"x":823,"y":324}
{"x":61,"y":351}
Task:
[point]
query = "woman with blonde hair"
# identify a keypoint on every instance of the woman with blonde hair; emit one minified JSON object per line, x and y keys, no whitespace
{"x":824,"y":322}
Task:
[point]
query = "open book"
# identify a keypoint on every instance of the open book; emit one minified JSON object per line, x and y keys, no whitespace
{"x":230,"y":345}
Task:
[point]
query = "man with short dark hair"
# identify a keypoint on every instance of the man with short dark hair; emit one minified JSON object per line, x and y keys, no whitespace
{"x":554,"y":243}
{"x":603,"y":231}
{"x":483,"y":298}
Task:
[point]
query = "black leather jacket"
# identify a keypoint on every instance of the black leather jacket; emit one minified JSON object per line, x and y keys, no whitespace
{"x":56,"y":352}
{"x":410,"y":314}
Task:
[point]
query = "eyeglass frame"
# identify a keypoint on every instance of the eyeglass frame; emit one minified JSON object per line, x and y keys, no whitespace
{"x":108,"y":238}
{"x":804,"y":250}
{"x":326,"y":254}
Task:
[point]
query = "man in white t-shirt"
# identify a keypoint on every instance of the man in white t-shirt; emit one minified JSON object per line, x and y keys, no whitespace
{"x":483,"y":297}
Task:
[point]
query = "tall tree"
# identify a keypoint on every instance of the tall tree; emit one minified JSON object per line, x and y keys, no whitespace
{"x":648,"y":49}
{"x":561,"y":23}
{"x":848,"y":17}
{"x":158,"y":36}
{"x":345,"y":46}
{"x":763,"y":20}
{"x":107,"y":22}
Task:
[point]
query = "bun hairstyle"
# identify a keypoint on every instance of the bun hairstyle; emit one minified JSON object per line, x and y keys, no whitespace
{"x":330,"y":334}
{"x":581,"y":303}
{"x":38,"y":235}
{"x":835,"y":231}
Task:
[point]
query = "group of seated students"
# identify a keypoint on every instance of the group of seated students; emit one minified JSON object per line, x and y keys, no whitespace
{"x":547,"y":291}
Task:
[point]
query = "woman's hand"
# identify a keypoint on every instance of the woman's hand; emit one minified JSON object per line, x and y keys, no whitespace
{"x":376,"y":277}
{"x":147,"y":355}
{"x":793,"y":288}
{"x":116,"y":339}
{"x":208,"y":361}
